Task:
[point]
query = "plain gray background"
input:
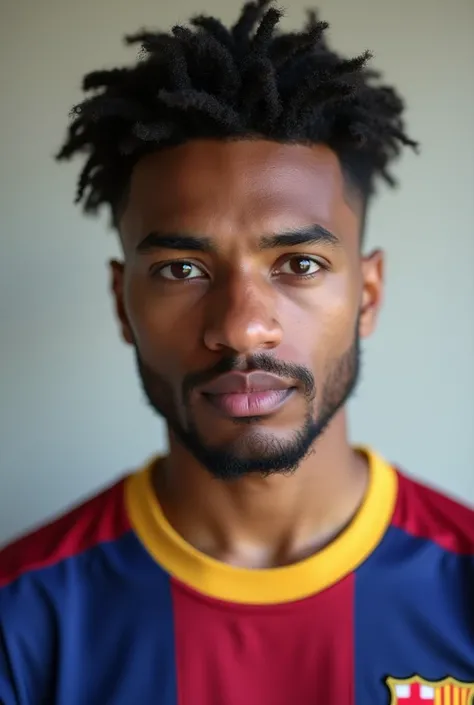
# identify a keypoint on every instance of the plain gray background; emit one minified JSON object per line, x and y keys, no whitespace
{"x":72,"y":417}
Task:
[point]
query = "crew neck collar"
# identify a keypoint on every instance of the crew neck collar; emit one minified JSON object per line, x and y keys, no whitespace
{"x":268,"y":586}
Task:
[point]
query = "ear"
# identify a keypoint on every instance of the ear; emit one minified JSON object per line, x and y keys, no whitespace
{"x":117,"y":288}
{"x":372,"y":292}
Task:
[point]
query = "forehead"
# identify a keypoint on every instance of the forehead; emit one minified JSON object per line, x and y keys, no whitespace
{"x":244,"y":185}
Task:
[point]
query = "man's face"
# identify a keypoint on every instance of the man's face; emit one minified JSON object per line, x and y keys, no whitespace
{"x":244,"y":294}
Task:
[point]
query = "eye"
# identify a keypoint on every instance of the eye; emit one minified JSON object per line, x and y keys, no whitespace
{"x":179,"y":271}
{"x":300,"y":266}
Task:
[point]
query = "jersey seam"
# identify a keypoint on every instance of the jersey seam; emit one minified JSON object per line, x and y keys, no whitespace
{"x":431,"y":540}
{"x":47,"y":566}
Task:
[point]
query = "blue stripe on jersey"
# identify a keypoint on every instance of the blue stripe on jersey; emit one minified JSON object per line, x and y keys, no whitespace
{"x":106,"y":646}
{"x":411,"y":605}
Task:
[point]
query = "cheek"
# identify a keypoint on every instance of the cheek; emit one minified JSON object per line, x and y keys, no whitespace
{"x":319,"y":323}
{"x":164,"y":330}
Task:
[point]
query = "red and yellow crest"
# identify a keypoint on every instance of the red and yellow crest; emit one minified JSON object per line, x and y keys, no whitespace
{"x":418,"y":691}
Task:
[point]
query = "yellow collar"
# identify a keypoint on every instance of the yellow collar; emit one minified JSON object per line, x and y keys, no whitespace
{"x":274,"y":585}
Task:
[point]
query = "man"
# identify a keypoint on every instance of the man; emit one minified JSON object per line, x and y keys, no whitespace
{"x":264,"y":560}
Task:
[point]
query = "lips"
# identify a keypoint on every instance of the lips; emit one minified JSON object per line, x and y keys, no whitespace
{"x":238,"y":395}
{"x":246,"y":383}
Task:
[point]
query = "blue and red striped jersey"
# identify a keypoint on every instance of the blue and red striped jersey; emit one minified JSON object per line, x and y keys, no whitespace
{"x":108,"y":604}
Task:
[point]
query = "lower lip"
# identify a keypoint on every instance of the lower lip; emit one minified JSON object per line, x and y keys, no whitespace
{"x":249,"y":404}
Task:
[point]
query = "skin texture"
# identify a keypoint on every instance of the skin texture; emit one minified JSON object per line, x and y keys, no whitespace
{"x":192,"y":314}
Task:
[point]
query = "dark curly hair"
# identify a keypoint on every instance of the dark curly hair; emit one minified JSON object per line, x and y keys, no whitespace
{"x":246,"y":82}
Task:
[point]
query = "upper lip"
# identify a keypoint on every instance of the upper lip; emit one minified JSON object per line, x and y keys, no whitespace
{"x":245,"y":383}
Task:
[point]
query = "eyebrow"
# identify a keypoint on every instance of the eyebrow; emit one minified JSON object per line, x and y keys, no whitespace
{"x":175,"y":241}
{"x":312,"y":235}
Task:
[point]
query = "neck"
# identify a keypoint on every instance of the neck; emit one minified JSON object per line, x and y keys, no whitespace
{"x":262,"y":522}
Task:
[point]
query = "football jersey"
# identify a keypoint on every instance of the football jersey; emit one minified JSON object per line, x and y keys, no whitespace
{"x":109,"y":605}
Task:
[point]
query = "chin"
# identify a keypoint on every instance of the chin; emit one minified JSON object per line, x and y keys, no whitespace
{"x":255,"y":454}
{"x":247,"y":433}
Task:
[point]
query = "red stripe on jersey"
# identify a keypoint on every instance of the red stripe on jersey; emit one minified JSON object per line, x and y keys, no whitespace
{"x":427,"y":514}
{"x":101,"y":518}
{"x":299,"y":652}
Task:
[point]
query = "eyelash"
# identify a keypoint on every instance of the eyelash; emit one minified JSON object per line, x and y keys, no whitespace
{"x":156,"y":270}
{"x":321,"y":266}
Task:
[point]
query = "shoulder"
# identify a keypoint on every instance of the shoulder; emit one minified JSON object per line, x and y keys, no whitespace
{"x":99,"y":519}
{"x":426,"y":513}
{"x":45,"y":577}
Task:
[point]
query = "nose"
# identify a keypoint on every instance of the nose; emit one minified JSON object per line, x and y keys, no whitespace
{"x":241,"y":317}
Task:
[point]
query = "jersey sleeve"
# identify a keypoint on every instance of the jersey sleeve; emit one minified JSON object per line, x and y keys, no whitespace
{"x":8,"y":691}
{"x":27,"y":643}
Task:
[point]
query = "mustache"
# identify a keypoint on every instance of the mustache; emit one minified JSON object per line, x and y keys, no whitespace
{"x":262,"y":363}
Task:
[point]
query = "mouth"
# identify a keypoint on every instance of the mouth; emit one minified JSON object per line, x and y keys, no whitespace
{"x":238,"y":395}
{"x":250,"y":404}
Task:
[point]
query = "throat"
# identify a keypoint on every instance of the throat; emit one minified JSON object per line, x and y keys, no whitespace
{"x":292,"y":550}
{"x":262,"y":523}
